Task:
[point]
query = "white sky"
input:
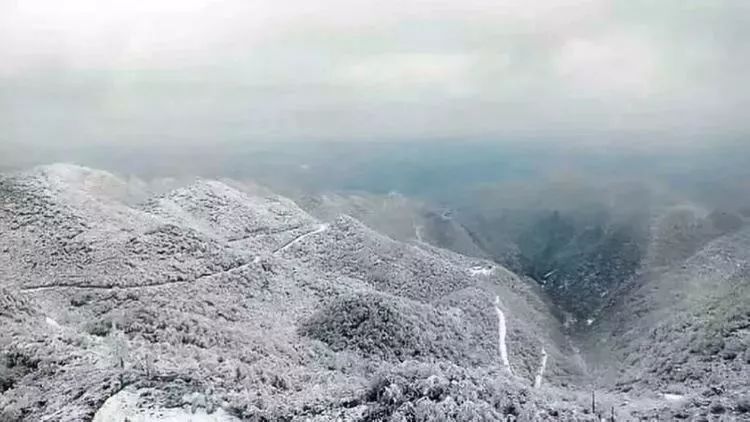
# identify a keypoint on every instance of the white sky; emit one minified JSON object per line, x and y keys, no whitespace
{"x":142,"y":70}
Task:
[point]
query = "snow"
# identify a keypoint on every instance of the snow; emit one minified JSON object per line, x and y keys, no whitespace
{"x":321,"y":228}
{"x":37,"y":289}
{"x":502,"y":332}
{"x":51,"y":322}
{"x":569,"y":321}
{"x":123,"y":406}
{"x":477,"y":271}
{"x":542,"y":368}
{"x":578,"y":359}
{"x":673,"y":397}
{"x":199,"y":224}
{"x":418,"y":233}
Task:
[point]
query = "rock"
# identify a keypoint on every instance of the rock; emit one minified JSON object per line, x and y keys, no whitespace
{"x":717,"y":407}
{"x":743,"y":404}
{"x":435,"y":388}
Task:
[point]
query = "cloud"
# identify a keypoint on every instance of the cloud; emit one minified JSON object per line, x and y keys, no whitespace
{"x":139,"y":71}
{"x":617,"y":66}
{"x":406,"y":75}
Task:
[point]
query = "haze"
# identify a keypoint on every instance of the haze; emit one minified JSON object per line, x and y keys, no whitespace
{"x":85,"y":72}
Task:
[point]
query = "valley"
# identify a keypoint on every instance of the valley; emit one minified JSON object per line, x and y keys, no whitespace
{"x":221,"y":299}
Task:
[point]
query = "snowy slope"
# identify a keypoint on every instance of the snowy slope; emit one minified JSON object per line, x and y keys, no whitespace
{"x":215,"y":302}
{"x":246,"y":304}
{"x":684,"y":329}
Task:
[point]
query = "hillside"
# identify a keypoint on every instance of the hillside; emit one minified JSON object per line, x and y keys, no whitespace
{"x":397,"y":216}
{"x":683,"y":329}
{"x":221,"y":301}
{"x":242,"y":307}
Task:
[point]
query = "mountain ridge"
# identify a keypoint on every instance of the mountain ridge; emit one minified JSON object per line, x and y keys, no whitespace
{"x":236,"y":304}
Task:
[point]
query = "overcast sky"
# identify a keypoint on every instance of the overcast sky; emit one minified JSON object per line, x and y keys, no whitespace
{"x":130,"y":71}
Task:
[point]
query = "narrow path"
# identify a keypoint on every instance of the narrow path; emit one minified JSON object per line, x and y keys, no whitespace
{"x":502,"y":332}
{"x":34,"y":289}
{"x":320,"y":229}
{"x":263,"y":231}
{"x":542,"y":368}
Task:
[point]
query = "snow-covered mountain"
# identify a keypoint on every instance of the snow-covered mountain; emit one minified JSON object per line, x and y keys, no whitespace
{"x":683,"y":329}
{"x":397,"y":216}
{"x":212,"y":302}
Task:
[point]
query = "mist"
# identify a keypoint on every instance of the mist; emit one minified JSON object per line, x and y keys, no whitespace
{"x":201,"y":72}
{"x":438,"y":100}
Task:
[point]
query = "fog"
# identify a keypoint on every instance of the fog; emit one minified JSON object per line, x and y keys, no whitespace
{"x":190,"y":73}
{"x":439,"y":99}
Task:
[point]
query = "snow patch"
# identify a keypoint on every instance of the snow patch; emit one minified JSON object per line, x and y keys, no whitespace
{"x":502,"y":332}
{"x":479,"y":270}
{"x":51,"y":322}
{"x":418,"y":233}
{"x":542,"y":368}
{"x":123,"y":406}
{"x":673,"y":397}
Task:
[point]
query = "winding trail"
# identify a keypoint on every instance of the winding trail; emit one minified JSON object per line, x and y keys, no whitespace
{"x":263,"y":231}
{"x":35,"y":289}
{"x":321,"y":228}
{"x":542,"y":368}
{"x":502,"y":332}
